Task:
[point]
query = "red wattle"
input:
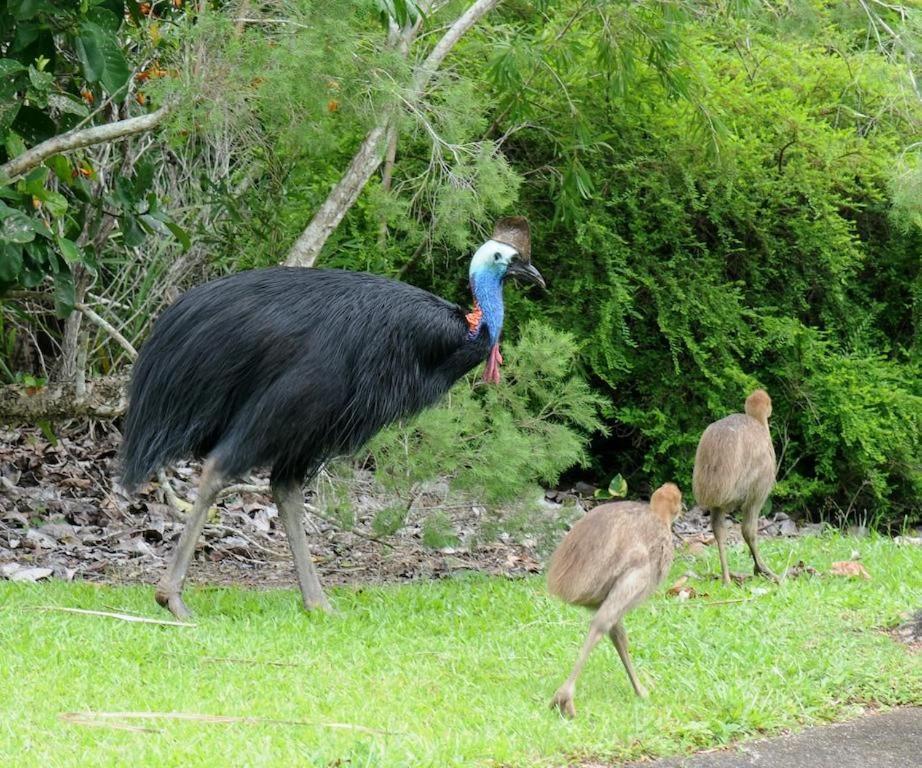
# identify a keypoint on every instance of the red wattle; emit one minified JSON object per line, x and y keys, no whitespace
{"x":491,"y":370}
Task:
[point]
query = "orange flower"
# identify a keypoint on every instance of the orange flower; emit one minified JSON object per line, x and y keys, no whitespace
{"x":87,"y":96}
{"x":140,"y":98}
{"x":332,"y":105}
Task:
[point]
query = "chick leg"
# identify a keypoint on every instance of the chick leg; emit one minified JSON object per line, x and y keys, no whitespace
{"x":719,"y":526}
{"x":618,"y":636}
{"x":750,"y":527}
{"x":627,"y":589}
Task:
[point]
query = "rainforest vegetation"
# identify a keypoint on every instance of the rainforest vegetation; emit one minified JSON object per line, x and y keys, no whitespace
{"x":722,"y":195}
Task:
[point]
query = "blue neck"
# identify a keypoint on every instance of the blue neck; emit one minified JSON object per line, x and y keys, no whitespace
{"x":487,"y":288}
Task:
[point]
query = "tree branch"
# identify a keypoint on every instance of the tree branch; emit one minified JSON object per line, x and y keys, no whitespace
{"x":105,"y":398}
{"x":456,"y":31}
{"x":109,"y":329}
{"x":85,"y":137}
{"x":307,"y":247}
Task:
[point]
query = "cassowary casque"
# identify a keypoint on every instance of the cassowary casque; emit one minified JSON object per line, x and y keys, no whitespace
{"x":288,"y":367}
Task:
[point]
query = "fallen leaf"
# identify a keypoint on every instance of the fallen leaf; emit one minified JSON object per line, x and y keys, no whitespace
{"x":800,"y":569}
{"x":677,"y":587}
{"x":849,"y":569}
{"x":17,"y":572}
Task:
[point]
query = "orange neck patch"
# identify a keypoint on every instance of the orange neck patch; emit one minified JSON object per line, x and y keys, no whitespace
{"x":474,"y":317}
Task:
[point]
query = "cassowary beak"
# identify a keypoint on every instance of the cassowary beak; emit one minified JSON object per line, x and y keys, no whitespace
{"x":524,"y":272}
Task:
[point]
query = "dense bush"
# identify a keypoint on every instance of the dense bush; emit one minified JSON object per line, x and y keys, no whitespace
{"x":786,"y":259}
{"x":719,"y":199}
{"x":499,"y":441}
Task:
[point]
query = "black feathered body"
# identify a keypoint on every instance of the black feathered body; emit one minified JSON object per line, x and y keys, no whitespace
{"x":287,"y":367}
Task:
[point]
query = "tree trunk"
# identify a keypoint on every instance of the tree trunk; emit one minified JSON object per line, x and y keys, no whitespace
{"x":387,"y":175}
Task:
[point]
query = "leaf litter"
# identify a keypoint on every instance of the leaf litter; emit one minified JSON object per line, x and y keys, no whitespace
{"x":62,"y":509}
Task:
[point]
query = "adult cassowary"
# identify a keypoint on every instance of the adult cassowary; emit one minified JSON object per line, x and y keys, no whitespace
{"x":286,"y":368}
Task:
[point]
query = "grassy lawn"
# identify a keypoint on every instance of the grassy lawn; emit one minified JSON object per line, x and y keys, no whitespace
{"x":456,"y":672}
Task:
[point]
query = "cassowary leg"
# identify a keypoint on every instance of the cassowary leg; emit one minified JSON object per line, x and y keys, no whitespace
{"x":623,"y":595}
{"x":618,"y":636}
{"x":290,"y":502}
{"x":750,"y":528}
{"x":169,"y":590}
{"x":719,"y":526}
{"x":563,"y":698}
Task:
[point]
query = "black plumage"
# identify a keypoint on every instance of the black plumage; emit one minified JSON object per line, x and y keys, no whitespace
{"x":287,"y":367}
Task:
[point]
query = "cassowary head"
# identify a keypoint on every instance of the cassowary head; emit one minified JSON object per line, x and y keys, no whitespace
{"x":506,"y":254}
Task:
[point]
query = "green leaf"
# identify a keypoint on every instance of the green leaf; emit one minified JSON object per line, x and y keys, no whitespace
{"x":67,"y":105}
{"x":123,"y":194}
{"x":105,"y":19}
{"x":131,"y":231}
{"x":10,"y":263}
{"x":102,"y":59}
{"x":34,"y":182}
{"x":55,"y":202}
{"x":61,"y":168}
{"x":64,"y":297}
{"x":180,"y":234}
{"x":155,"y":223}
{"x":28,"y":9}
{"x":8,"y":112}
{"x":69,"y":250}
{"x":15,"y":146}
{"x":16,"y":227}
{"x":41,"y":81}
{"x":47,"y":431}
{"x":143,"y":177}
{"x":11,"y":67}
{"x":617,"y":488}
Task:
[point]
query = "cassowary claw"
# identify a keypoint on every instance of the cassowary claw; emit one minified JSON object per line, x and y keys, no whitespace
{"x":563,"y":703}
{"x":174,"y":604}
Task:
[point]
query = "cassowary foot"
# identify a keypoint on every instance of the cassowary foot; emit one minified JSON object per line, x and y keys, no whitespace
{"x":734,"y":577}
{"x":563,"y":703}
{"x":172,"y":601}
{"x":642,"y":692}
{"x":322,"y":605}
{"x":764,"y":570}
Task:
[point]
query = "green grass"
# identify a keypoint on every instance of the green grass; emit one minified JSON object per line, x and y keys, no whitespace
{"x":460,"y":671}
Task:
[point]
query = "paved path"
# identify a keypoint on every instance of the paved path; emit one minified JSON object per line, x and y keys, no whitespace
{"x":889,"y":740}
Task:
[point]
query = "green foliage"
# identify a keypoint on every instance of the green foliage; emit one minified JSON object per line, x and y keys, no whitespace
{"x":722,"y":195}
{"x":860,"y":415}
{"x":389,"y":520}
{"x":497,"y":441}
{"x":438,"y":531}
{"x":694,"y":272}
{"x":61,"y":60}
{"x":336,"y":505}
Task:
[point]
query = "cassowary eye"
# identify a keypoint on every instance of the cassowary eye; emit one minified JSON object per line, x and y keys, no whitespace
{"x":497,"y":256}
